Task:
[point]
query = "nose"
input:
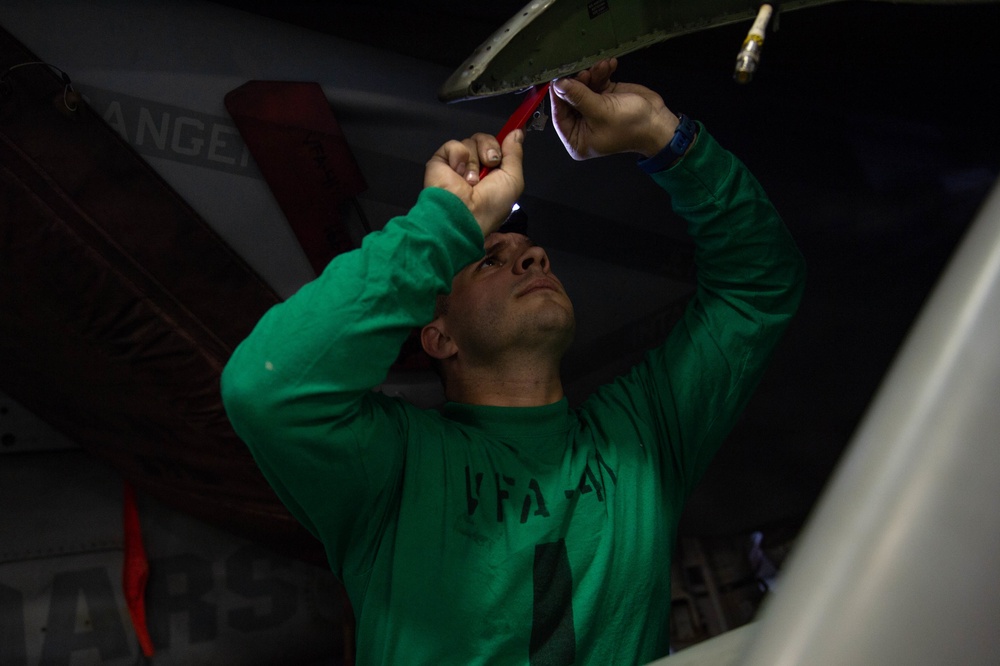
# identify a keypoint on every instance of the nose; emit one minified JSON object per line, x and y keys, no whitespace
{"x":532,"y":256}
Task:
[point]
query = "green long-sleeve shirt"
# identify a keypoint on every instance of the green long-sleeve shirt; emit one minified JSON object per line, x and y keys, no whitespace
{"x":500,"y":535}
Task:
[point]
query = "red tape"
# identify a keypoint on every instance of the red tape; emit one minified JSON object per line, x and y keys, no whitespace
{"x":521,"y":116}
{"x":135,"y":571}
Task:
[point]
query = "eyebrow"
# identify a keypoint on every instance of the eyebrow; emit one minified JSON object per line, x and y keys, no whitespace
{"x":501,"y":244}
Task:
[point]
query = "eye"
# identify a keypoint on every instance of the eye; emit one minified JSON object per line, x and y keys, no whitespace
{"x":490,"y":261}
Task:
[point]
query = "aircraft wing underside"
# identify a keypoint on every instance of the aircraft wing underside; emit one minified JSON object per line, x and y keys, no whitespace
{"x":552,"y":38}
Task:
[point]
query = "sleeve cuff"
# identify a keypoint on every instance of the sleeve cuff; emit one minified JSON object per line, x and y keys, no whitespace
{"x":683,"y":137}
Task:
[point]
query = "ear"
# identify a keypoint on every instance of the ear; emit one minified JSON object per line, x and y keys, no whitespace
{"x":436,"y":342}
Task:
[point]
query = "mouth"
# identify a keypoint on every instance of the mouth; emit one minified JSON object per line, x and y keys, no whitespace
{"x":539,"y":284}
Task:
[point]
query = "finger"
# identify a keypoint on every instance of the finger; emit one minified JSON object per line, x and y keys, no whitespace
{"x":600,"y":74}
{"x":470,"y":170}
{"x":488,"y":149}
{"x":455,"y":154}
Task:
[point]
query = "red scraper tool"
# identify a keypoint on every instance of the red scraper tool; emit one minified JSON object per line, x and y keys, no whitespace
{"x":521,"y":116}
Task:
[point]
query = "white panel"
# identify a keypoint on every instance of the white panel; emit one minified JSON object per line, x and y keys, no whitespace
{"x":212,"y":598}
{"x":21,"y":431}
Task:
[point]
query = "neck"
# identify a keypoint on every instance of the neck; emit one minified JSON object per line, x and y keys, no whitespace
{"x":526,"y":383}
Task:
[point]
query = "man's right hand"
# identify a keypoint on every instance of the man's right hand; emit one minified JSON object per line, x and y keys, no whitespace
{"x":455,"y":168}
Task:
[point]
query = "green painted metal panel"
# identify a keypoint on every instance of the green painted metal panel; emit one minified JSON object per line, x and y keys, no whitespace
{"x":552,"y":38}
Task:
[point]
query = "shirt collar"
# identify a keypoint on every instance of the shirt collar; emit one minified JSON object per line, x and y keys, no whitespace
{"x":516,"y":422}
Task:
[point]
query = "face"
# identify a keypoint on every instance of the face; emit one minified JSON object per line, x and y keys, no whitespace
{"x":509,"y":301}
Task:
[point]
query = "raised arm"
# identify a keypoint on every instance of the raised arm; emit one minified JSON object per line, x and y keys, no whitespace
{"x":750,"y":274}
{"x":298,"y":389}
{"x":750,"y":279}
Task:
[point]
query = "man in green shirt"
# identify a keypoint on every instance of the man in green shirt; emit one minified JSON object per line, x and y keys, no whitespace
{"x":509,"y":527}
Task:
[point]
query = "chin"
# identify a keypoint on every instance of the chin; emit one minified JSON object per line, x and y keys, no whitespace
{"x":559,"y":330}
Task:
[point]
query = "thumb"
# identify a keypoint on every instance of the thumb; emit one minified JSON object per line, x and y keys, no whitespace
{"x":512,"y":150}
{"x":574,"y":93}
{"x":494,"y":195}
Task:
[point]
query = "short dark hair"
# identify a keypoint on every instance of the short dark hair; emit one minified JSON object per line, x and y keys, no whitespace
{"x":441,"y":305}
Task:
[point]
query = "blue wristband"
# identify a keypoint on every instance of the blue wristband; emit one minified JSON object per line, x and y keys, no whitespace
{"x":683,"y":136}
